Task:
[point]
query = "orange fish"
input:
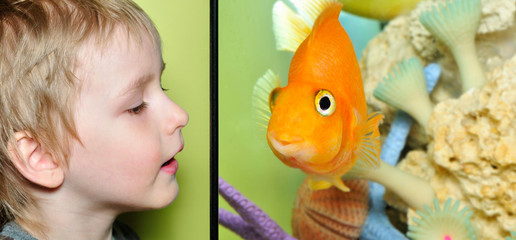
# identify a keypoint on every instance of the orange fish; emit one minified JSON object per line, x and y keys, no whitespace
{"x":319,"y":121}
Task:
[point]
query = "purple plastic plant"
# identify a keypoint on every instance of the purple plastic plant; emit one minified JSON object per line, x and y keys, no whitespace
{"x":252,"y":222}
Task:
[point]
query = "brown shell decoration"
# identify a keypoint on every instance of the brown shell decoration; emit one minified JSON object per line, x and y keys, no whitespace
{"x":330,"y":213}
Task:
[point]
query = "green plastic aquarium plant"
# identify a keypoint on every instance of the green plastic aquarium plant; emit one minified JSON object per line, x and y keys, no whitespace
{"x":455,"y":24}
{"x":403,"y":184}
{"x":447,"y":223}
{"x":405,"y":88}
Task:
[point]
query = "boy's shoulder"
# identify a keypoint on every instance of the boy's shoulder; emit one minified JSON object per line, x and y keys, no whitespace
{"x":12,"y":231}
{"x":122,"y":231}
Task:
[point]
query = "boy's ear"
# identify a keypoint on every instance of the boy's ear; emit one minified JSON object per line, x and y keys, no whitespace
{"x":34,"y":162}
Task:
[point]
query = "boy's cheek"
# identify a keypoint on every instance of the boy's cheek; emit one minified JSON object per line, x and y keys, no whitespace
{"x":140,"y":150}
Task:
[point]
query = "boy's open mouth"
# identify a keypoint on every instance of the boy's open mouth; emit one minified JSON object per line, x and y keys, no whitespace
{"x":167,"y":162}
{"x":169,"y":166}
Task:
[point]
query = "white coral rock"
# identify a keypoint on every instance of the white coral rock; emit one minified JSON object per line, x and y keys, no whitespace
{"x":406,"y":37}
{"x":471,"y":156}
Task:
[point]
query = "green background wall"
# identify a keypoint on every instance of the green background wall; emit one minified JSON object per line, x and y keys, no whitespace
{"x":246,"y":51}
{"x":184,"y":29}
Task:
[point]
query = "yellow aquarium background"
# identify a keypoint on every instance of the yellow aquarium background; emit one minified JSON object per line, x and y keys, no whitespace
{"x":246,"y":51}
{"x":185,"y":32}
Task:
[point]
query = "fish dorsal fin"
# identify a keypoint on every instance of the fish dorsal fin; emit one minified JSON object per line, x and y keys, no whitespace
{"x":368,"y":140}
{"x":311,"y":9}
{"x":329,"y":15}
{"x":261,"y":94}
{"x":290,"y":28}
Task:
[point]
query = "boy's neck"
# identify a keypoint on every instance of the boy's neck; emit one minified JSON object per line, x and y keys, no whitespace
{"x":75,"y":219}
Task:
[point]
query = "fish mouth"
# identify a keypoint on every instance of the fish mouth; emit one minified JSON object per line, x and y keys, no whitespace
{"x":289,"y":141}
{"x":294,"y":149}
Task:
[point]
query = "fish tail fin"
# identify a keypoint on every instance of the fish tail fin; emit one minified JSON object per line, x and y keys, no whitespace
{"x":260,"y":99}
{"x":368,"y":140}
{"x":290,"y":28}
{"x":310,"y":10}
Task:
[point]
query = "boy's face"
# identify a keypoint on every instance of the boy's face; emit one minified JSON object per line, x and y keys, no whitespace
{"x":129,"y":129}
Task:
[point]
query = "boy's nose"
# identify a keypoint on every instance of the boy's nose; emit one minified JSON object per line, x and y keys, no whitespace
{"x":176,"y":118}
{"x":182,"y":116}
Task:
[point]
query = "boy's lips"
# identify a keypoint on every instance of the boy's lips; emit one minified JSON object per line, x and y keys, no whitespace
{"x":170,"y":166}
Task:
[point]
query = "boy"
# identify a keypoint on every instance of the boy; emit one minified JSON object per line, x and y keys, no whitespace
{"x":86,"y":131}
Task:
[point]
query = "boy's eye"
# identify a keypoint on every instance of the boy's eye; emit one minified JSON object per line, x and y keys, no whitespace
{"x":138,"y":109}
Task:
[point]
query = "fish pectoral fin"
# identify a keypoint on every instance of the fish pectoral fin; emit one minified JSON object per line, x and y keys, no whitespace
{"x":323,"y":184}
{"x":368,"y":139}
{"x":340,"y":185}
{"x":261,"y":94}
{"x":318,"y":184}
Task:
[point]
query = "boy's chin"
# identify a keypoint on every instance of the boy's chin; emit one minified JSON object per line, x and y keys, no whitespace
{"x":158,"y":201}
{"x":168,"y":197}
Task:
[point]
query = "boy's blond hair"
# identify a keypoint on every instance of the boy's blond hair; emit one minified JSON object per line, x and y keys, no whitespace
{"x":39,"y":43}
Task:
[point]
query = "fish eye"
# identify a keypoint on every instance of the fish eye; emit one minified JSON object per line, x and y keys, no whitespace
{"x":324,"y":102}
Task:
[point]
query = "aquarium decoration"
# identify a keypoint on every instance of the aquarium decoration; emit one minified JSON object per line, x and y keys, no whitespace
{"x":252,"y":222}
{"x":512,"y":237}
{"x":446,"y":223}
{"x":463,"y":144}
{"x":330,"y":213}
{"x":465,"y":151}
{"x":379,"y":9}
{"x":455,"y":23}
{"x":378,"y":225}
{"x":405,"y":88}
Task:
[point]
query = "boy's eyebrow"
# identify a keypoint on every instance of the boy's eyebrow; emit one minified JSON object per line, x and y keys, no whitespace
{"x":139,"y":82}
{"x":136,"y":84}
